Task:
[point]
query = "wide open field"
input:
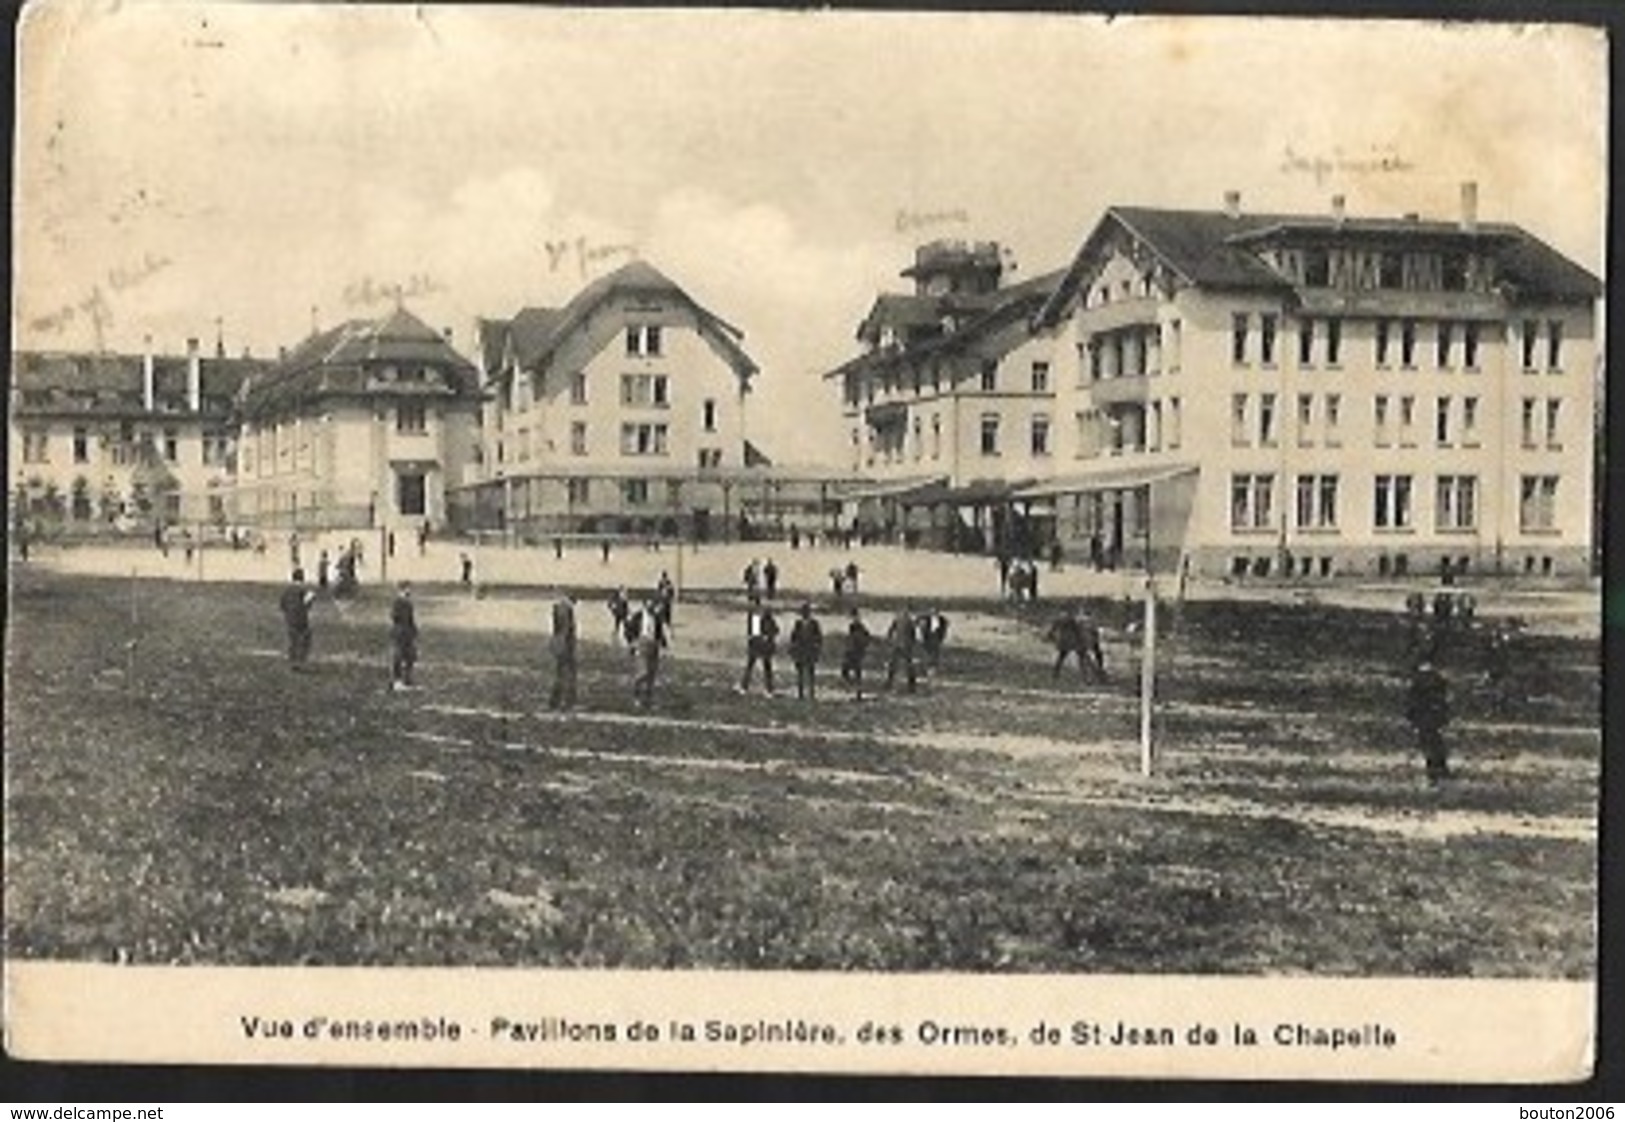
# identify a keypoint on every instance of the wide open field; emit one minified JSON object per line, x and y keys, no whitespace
{"x":216,"y":807}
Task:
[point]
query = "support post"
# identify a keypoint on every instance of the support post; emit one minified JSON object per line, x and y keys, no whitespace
{"x":1148,"y":671}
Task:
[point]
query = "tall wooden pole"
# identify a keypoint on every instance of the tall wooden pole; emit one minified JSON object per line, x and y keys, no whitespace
{"x":1148,"y":671}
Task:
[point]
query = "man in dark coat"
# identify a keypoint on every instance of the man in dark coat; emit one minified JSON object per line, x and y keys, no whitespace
{"x":901,"y":638}
{"x":770,"y":578}
{"x":857,"y":647}
{"x":1075,"y":633}
{"x":295,"y":604}
{"x":1427,"y":707}
{"x":761,"y":641}
{"x":806,"y":647}
{"x":562,"y":644}
{"x":933,"y":635}
{"x":403,"y":636}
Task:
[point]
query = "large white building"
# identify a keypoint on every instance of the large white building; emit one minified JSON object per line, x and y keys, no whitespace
{"x":623,"y":413}
{"x":1320,"y":394}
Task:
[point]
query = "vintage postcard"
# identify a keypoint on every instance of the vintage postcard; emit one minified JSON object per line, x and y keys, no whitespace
{"x":805,"y":541}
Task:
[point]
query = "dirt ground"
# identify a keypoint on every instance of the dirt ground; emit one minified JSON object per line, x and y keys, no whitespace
{"x":190,"y":799}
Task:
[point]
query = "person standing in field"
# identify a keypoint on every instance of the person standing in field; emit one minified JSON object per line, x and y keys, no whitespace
{"x":901,"y":639}
{"x":1427,"y":707}
{"x":1074,"y":633}
{"x":563,"y":646}
{"x":770,"y":578}
{"x":858,"y":638}
{"x":403,"y":635}
{"x":806,"y":647}
{"x":324,"y":568}
{"x":295,"y":604}
{"x":646,"y":650}
{"x":761,"y":642}
{"x":933,"y":636}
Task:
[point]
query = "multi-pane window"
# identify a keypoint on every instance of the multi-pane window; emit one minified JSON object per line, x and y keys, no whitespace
{"x":172,"y":446}
{"x":1407,"y":343}
{"x":1537,"y":503}
{"x":1441,"y":422}
{"x":36,"y":446}
{"x":411,"y":494}
{"x":643,"y":340}
{"x":634,"y":492}
{"x":1382,"y":342}
{"x":1333,"y":419}
{"x":710,"y":457}
{"x":1554,"y":407}
{"x":1252,"y":498}
{"x":1238,"y":420}
{"x":643,"y":439}
{"x":1407,"y":421}
{"x":1173,"y":423}
{"x":1040,"y":436}
{"x":1469,"y":422}
{"x":1097,"y":362}
{"x":578,"y":388}
{"x":645,"y":391}
{"x":1527,"y":419}
{"x":1469,"y":346}
{"x":1040,"y":375}
{"x":1391,"y":506}
{"x":1268,"y":324}
{"x":1317,"y":502}
{"x":1554,"y":344}
{"x":1334,"y":342}
{"x":1306,"y":343}
{"x":578,"y":490}
{"x":578,"y":438}
{"x":1445,"y":340}
{"x":1239,"y":324}
{"x":410,"y":417}
{"x":1306,"y":418}
{"x":81,"y":445}
{"x":990,"y":376}
{"x":990,"y":434}
{"x":1455,"y":503}
{"x":1266,"y":420}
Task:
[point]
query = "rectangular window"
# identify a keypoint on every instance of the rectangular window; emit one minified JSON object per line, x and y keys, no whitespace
{"x":1407,"y":343}
{"x":635,"y":492}
{"x":1537,"y":503}
{"x":710,"y":458}
{"x":1171,"y":434}
{"x":1391,"y":509}
{"x":172,"y":446}
{"x":1382,"y":342}
{"x":1040,"y":436}
{"x":1267,"y":324}
{"x":1334,"y":420}
{"x":936,"y":436}
{"x":990,"y":376}
{"x":1334,"y":342}
{"x":1266,"y":420}
{"x":1441,"y":422}
{"x":643,"y":439}
{"x":1554,"y":407}
{"x":81,"y":445}
{"x":1040,"y":377}
{"x":1306,"y":418}
{"x":1455,"y":505}
{"x":708,"y":415}
{"x":1238,"y":420}
{"x":410,"y":417}
{"x":1469,"y":346}
{"x":990,"y":434}
{"x":1445,"y":339}
{"x":1469,"y":422}
{"x":1238,"y":337}
{"x":1554,"y":344}
{"x":917,"y":437}
{"x":1528,"y":419}
{"x":1251,"y":501}
{"x":643,"y":340}
{"x":1407,"y":421}
{"x":578,"y":438}
{"x":578,"y":491}
{"x":36,"y":447}
{"x":578,"y":388}
{"x":1530,"y":339}
{"x":411,"y":495}
{"x":1317,"y":502}
{"x":1306,"y":343}
{"x":1096,"y":361}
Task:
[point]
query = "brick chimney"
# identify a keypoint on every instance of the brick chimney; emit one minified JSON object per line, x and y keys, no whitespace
{"x":1232,"y":204}
{"x":194,"y":377}
{"x":149,"y":377}
{"x":1469,"y":206}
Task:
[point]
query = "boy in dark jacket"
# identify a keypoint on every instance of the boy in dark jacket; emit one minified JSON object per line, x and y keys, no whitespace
{"x":806,"y":647}
{"x":403,"y":637}
{"x":857,"y":646}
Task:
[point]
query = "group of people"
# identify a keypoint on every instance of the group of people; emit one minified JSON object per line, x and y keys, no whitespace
{"x":914,"y":646}
{"x":1018,"y":577}
{"x":1434,"y":630}
{"x":298,"y":598}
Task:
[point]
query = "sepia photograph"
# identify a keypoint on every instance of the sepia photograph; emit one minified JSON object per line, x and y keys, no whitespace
{"x":771,"y":540}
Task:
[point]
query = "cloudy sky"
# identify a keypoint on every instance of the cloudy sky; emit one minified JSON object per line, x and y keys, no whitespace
{"x":179,"y":163}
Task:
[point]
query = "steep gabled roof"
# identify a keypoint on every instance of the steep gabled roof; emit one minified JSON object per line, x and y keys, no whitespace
{"x":115,"y":381}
